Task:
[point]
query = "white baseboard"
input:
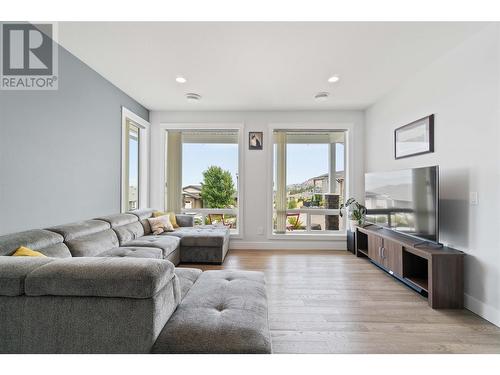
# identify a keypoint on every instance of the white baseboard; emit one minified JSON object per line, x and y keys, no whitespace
{"x":288,"y":245}
{"x":480,"y":308}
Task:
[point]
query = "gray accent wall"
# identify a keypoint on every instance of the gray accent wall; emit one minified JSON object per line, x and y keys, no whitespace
{"x":60,"y":151}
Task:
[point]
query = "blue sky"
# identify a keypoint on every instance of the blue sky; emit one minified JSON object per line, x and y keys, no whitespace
{"x":309,"y":160}
{"x":196,"y":158}
{"x":133,"y":168}
{"x":304,"y":161}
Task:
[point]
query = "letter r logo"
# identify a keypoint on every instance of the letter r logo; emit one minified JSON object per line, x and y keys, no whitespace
{"x":27,"y":49}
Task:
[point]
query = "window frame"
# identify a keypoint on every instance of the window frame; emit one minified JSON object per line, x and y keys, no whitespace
{"x":240,"y":127}
{"x":348,"y":165}
{"x":144,"y":140}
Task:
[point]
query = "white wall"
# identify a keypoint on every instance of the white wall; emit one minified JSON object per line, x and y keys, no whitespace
{"x":462,"y":90}
{"x":255,"y":177}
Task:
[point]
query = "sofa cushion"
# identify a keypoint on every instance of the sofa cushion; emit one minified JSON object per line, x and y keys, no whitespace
{"x":187,"y":277}
{"x":202,"y":236}
{"x":174,"y":257}
{"x":80,"y":229}
{"x":46,"y":242}
{"x":87,"y":238}
{"x":101,"y":277}
{"x":167,"y":244}
{"x":93,"y":244}
{"x":143,"y":215}
{"x":13,"y":272}
{"x":223,"y":312}
{"x":126,"y":226}
{"x":184,"y":220}
{"x":129,"y":232}
{"x":117,"y":220}
{"x":134,"y":252}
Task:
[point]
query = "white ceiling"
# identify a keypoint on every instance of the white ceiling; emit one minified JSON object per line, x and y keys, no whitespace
{"x":259,"y":66}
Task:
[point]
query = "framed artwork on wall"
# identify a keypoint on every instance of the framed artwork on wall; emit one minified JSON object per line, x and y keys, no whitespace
{"x":416,"y":138}
{"x":255,"y":140}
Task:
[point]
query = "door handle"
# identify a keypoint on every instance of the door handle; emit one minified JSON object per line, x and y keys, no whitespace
{"x":383,"y":252}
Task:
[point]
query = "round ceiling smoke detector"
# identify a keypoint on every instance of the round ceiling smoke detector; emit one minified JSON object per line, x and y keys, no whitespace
{"x":192,"y":97}
{"x":321,"y":96}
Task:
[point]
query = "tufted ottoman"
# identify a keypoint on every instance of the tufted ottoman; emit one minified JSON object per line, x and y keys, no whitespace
{"x":203,"y":244}
{"x":223,"y":312}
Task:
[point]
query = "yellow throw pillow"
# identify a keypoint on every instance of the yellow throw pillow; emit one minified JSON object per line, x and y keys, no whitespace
{"x":171,"y":215}
{"x":27,"y":252}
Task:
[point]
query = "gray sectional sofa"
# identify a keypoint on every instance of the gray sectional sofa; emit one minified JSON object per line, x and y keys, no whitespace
{"x":108,"y":286}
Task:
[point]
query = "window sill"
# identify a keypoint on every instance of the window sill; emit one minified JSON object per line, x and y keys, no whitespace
{"x":340,"y":236}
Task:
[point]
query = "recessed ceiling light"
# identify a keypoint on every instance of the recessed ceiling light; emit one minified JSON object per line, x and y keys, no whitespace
{"x":192,"y":97}
{"x":333,"y":79}
{"x":321,"y":96}
{"x":180,"y":79}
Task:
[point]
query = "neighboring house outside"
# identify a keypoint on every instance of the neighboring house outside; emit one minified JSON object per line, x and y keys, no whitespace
{"x":316,"y":185}
{"x":191,"y":197}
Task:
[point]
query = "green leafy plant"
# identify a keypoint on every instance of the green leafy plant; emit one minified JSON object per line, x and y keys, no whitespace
{"x":356,"y":210}
{"x":217,"y":188}
{"x":295,"y":222}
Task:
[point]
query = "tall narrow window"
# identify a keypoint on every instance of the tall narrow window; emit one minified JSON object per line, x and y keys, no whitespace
{"x":309,"y":181}
{"x":132,"y":178}
{"x":134,"y":162}
{"x":202,"y":175}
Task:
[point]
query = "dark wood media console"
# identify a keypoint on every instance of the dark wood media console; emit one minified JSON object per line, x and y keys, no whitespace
{"x":431,"y":271}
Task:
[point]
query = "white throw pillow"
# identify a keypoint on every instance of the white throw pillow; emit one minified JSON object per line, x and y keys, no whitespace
{"x":161,"y":224}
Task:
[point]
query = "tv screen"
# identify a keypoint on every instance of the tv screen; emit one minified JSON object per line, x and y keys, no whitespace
{"x":405,"y":201}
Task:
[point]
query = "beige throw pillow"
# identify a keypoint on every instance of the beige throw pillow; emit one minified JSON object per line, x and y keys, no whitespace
{"x":161,"y":224}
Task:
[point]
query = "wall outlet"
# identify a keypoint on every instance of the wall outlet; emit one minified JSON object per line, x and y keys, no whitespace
{"x":473,"y":198}
{"x":260,"y":230}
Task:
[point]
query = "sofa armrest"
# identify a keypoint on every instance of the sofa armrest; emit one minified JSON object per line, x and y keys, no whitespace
{"x":185,"y":220}
{"x":100,"y":277}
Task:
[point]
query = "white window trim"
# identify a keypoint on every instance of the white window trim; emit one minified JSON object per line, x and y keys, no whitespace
{"x":164,"y":127}
{"x":144,"y":142}
{"x":349,"y":173}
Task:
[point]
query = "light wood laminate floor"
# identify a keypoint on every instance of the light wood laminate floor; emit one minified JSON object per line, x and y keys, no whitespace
{"x":333,"y":302}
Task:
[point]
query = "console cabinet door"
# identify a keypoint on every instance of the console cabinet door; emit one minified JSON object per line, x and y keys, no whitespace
{"x":374,"y":248}
{"x":393,"y":257}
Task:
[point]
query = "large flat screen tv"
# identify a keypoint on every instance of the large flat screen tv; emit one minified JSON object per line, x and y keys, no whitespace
{"x":405,"y":201}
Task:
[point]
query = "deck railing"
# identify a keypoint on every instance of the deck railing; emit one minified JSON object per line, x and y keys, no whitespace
{"x":202,"y":214}
{"x":310,"y":223}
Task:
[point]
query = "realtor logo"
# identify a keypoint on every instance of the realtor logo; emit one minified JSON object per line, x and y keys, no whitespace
{"x":28,"y":57}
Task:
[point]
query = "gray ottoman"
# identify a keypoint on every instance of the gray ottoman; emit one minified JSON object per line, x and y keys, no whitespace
{"x":223,"y":312}
{"x":203,"y":244}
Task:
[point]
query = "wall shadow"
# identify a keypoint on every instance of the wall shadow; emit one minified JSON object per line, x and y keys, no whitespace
{"x":454,"y":207}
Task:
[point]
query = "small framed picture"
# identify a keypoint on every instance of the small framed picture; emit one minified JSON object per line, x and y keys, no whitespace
{"x":416,"y":138}
{"x":255,"y":140}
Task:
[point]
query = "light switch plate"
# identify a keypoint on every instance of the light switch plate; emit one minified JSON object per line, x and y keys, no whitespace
{"x":473,"y":198}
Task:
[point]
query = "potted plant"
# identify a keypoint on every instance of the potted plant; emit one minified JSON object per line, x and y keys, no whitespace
{"x":356,"y":212}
